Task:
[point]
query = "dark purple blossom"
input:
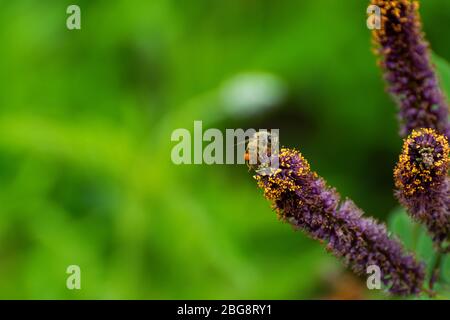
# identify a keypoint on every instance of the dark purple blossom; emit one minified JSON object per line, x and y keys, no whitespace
{"x":423,"y":186}
{"x":409,"y":72}
{"x":304,"y":200}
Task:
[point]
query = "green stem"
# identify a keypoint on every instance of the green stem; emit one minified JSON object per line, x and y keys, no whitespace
{"x":434,"y":277}
{"x":415,"y":236}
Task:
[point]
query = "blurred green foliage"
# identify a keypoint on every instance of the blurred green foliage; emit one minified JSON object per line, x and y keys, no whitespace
{"x":85,"y":124}
{"x":416,"y":239}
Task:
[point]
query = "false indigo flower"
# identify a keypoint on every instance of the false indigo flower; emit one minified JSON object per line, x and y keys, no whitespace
{"x":304,"y":200}
{"x":423,"y":186}
{"x":405,"y":59}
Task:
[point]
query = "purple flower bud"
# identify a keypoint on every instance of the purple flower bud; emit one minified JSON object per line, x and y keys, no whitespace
{"x":304,"y":200}
{"x":406,"y":62}
{"x":423,"y":186}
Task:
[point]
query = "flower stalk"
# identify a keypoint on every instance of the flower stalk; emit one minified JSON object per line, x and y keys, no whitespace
{"x":422,"y":183}
{"x":405,"y":59}
{"x":303,"y":199}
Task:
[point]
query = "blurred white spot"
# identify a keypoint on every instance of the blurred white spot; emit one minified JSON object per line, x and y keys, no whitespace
{"x":251,"y":93}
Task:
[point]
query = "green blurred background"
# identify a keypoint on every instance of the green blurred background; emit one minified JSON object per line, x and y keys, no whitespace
{"x":86,"y":117}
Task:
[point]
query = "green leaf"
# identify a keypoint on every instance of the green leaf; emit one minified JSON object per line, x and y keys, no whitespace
{"x":425,"y":250}
{"x":443,"y":71}
{"x":401,"y":226}
{"x":445,"y":266}
{"x":413,"y":236}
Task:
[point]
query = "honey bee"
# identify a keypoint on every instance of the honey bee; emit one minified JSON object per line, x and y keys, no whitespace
{"x":260,"y":147}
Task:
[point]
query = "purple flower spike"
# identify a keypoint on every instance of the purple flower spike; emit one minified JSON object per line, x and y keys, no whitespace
{"x":405,"y":60}
{"x":304,"y":200}
{"x":423,"y":186}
